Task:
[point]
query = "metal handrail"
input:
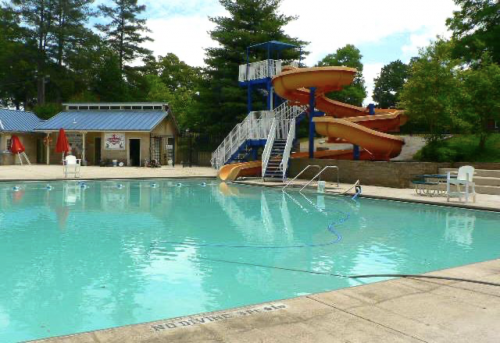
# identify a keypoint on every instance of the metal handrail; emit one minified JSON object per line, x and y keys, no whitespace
{"x":303,"y":170}
{"x":288,"y":148}
{"x":266,"y":154}
{"x":321,"y":172}
{"x":357,"y":183}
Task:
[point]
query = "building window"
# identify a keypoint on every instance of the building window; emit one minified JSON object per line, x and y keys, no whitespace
{"x":9,"y":143}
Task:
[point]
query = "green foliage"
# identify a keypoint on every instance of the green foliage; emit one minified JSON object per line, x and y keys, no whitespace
{"x":462,"y":148}
{"x":173,"y":81}
{"x":476,"y":29}
{"x":480,"y":101}
{"x":124,"y":31}
{"x":348,"y":56}
{"x":47,"y":110}
{"x":222,"y":103}
{"x":389,"y":84}
{"x":108,"y":84}
{"x":431,"y":95}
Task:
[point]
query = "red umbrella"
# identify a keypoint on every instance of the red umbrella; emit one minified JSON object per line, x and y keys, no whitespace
{"x":62,"y":145}
{"x":16,"y":147}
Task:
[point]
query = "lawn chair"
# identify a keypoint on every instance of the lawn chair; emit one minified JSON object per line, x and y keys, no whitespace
{"x":72,"y":165}
{"x":464,"y":179}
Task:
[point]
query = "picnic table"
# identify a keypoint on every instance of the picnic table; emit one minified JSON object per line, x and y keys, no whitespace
{"x":431,"y":184}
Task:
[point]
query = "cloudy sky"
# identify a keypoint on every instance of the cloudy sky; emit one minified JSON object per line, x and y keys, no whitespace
{"x":384,"y":30}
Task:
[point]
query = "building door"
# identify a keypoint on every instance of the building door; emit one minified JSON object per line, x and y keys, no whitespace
{"x":97,"y":151}
{"x":135,"y":152}
{"x":40,"y":152}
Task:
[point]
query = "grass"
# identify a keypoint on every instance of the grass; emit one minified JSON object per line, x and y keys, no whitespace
{"x":461,"y":148}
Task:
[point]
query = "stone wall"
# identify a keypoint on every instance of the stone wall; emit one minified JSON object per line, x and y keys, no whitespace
{"x":386,"y":174}
{"x":377,"y":173}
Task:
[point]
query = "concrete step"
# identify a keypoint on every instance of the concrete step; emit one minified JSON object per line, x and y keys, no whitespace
{"x":493,"y":190}
{"x":478,"y":172}
{"x":487,"y":181}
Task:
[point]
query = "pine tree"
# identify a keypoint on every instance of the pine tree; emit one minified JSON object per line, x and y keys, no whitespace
{"x":222,"y":103}
{"x":124,"y":33}
{"x":69,"y":30}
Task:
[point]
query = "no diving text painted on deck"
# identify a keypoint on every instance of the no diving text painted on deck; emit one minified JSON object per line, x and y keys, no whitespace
{"x":216,"y":317}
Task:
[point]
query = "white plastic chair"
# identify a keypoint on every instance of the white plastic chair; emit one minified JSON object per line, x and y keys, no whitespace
{"x":464,"y":178}
{"x":72,"y":166}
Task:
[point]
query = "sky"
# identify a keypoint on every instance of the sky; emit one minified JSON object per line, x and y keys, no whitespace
{"x":384,"y":30}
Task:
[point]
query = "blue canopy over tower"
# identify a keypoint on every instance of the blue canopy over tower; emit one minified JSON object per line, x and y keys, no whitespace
{"x":258,"y":75}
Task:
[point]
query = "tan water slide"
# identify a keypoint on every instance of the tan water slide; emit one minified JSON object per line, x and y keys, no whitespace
{"x":357,"y":127}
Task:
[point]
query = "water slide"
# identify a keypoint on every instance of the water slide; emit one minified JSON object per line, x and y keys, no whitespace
{"x":355,"y":125}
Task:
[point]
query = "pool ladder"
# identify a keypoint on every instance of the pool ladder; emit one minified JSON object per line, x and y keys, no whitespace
{"x":318,"y":175}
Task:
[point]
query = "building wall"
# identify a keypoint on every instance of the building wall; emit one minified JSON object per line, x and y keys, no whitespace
{"x":29,"y":141}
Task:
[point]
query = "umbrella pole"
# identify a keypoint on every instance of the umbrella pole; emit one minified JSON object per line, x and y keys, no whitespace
{"x":20,"y":159}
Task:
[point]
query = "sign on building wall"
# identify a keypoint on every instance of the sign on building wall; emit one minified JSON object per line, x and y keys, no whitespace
{"x":114,"y":141}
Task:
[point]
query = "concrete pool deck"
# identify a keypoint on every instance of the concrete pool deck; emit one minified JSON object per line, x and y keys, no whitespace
{"x":398,"y":310}
{"x":53,"y":172}
{"x":483,"y":202}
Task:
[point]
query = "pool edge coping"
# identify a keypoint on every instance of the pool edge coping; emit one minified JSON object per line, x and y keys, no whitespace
{"x":63,"y":338}
{"x":381,"y":197}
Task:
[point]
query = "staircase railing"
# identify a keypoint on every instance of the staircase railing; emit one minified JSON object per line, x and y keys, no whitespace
{"x":288,"y":147}
{"x":266,"y":154}
{"x":255,"y":126}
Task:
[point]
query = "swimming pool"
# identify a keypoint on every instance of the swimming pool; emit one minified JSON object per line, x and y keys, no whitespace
{"x":77,"y":257}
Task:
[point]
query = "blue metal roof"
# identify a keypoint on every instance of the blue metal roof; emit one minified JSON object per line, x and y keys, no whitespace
{"x":17,"y":121}
{"x":104,"y":120}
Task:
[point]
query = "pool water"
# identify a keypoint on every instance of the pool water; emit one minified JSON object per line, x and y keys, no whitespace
{"x":79,"y":257}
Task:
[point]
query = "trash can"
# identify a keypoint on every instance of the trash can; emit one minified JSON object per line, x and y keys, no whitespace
{"x":115,"y":163}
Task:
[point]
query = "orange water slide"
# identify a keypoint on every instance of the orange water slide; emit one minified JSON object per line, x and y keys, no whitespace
{"x":358,"y":127}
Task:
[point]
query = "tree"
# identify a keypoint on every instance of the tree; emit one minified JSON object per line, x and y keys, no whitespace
{"x":476,"y":29}
{"x":431,"y":94}
{"x":480,"y":101}
{"x":58,"y":27}
{"x":17,"y":61}
{"x":172,"y":80}
{"x":222,"y":103}
{"x":389,"y":83}
{"x":348,"y":56}
{"x":38,"y":18}
{"x":124,"y":33}
{"x":108,"y":84}
{"x":69,"y":30}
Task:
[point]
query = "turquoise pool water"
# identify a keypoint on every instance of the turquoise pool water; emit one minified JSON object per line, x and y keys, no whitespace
{"x":76,"y":258}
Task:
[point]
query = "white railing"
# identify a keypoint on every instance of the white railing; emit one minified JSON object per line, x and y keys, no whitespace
{"x":288,"y":147}
{"x":266,"y":154}
{"x":255,"y":126}
{"x":261,"y":70}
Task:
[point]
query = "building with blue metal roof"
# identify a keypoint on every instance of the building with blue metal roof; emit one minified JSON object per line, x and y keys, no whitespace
{"x":130,"y":134}
{"x":21,"y":124}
